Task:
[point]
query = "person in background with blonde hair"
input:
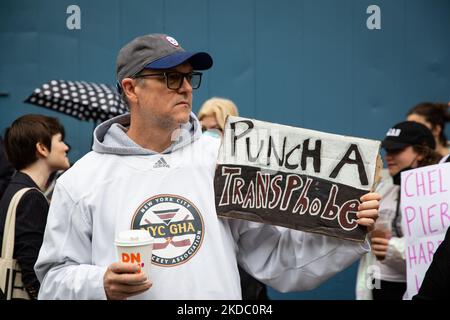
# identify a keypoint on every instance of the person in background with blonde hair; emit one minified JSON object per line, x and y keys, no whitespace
{"x":212,"y":116}
{"x":214,"y":111}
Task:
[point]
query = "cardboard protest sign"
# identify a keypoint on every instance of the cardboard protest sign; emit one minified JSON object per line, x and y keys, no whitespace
{"x":292,"y":177}
{"x":425,"y":199}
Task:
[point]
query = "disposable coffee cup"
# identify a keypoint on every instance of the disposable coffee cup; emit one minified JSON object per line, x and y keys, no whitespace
{"x":135,"y":246}
{"x":382,"y":229}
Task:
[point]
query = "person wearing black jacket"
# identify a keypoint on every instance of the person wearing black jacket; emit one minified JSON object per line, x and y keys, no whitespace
{"x":35,"y":147}
{"x":436,"y":284}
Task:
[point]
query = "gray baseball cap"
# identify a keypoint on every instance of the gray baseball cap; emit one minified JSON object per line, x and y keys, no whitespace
{"x":156,"y":51}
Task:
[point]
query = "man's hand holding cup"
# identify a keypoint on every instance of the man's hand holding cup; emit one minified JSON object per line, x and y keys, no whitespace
{"x":124,"y":280}
{"x":130,"y":276}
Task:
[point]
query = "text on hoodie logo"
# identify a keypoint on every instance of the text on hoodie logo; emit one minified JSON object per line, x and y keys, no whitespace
{"x":175,"y":223}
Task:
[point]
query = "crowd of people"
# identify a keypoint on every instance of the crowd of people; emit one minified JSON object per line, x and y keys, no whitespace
{"x":159,"y":159}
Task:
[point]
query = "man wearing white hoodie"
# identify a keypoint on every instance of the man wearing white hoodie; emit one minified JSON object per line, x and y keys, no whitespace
{"x":152,"y":169}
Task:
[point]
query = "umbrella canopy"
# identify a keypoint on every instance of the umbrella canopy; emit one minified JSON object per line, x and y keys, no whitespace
{"x":80,"y":99}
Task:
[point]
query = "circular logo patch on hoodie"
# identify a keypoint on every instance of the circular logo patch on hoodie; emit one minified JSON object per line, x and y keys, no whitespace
{"x":175,"y":223}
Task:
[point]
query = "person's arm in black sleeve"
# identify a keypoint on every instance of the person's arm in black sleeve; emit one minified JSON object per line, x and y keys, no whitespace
{"x":436,"y":284}
{"x":31,"y":218}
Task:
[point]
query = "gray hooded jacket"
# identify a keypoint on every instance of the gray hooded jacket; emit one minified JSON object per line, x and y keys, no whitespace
{"x":111,"y":137}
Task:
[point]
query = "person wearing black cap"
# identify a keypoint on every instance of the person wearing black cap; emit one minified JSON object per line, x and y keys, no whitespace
{"x":153,"y":169}
{"x":408,"y":145}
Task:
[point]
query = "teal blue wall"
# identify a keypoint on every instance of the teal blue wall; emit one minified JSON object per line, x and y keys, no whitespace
{"x":307,"y":63}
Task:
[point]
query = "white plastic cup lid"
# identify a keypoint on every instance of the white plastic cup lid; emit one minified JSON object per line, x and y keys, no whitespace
{"x":134,"y":238}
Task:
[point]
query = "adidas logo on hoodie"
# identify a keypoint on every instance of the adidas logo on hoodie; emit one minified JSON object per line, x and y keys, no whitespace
{"x":161,"y":163}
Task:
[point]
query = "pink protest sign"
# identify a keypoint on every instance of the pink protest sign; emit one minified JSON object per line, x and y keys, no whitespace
{"x":425,"y":200}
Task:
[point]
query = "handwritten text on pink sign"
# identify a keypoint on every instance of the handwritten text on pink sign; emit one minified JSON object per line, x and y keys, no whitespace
{"x":429,"y":219}
{"x":425,"y":199}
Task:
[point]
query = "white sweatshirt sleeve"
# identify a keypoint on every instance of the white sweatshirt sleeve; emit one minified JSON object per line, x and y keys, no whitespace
{"x":395,"y":254}
{"x":291,"y":260}
{"x":64,"y":266}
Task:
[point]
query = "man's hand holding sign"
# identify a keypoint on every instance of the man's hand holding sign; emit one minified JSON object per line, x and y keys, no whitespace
{"x":297,"y":178}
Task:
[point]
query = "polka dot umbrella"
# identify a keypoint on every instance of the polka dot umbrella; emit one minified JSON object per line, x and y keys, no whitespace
{"x":79,"y":99}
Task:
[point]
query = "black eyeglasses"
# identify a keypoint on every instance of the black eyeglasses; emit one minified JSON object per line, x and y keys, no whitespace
{"x":174,"y":80}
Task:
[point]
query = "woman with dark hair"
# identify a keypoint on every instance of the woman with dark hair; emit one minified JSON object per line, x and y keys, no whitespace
{"x":433,"y":116}
{"x":35,"y":147}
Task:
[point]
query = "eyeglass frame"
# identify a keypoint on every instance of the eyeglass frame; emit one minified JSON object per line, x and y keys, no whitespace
{"x":166,"y":74}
